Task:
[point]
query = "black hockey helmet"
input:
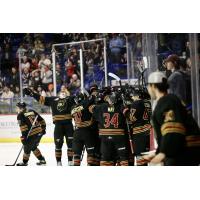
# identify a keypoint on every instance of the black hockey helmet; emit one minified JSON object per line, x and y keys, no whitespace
{"x":79,"y":97}
{"x":21,"y":105}
{"x":93,"y":88}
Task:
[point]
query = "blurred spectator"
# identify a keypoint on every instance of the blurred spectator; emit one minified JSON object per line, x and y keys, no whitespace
{"x":59,"y":80}
{"x":34,"y":63}
{"x":25,"y":63}
{"x":14,"y":77}
{"x":74,"y":84}
{"x":41,"y":63}
{"x":116,"y":45}
{"x":187,"y":77}
{"x":21,"y":49}
{"x":38,"y":47}
{"x":64,"y":89}
{"x":6,"y":56}
{"x":7,"y":95}
{"x":36,"y":79}
{"x":47,"y":60}
{"x":46,"y":76}
{"x":16,"y":92}
{"x":177,"y":84}
{"x":26,"y":77}
{"x":49,"y":93}
{"x":41,"y":91}
{"x":70,"y":68}
{"x":189,"y":63}
{"x":1,"y":88}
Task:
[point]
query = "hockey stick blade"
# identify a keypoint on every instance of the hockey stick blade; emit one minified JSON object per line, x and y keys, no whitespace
{"x":9,"y":165}
{"x":114,"y":76}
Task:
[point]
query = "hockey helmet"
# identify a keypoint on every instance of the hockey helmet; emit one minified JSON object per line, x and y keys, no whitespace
{"x":21,"y":105}
{"x":156,"y":77}
{"x":79,"y":98}
{"x":93,"y":88}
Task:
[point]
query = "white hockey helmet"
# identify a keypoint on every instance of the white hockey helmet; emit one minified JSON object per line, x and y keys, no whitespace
{"x":156,"y":77}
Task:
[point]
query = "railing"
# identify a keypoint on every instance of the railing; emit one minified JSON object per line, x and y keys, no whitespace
{"x":8,"y":105}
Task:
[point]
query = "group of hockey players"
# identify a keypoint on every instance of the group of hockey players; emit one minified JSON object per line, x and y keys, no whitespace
{"x":113,"y":126}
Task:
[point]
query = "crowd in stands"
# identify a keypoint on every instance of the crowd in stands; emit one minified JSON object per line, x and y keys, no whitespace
{"x":37,"y":61}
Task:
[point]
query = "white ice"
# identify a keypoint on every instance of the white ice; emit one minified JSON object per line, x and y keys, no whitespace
{"x":9,"y":152}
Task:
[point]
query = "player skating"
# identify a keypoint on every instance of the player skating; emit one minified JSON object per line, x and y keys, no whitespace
{"x":32,"y":127}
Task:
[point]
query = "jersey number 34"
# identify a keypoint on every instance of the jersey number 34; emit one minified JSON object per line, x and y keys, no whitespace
{"x":111,"y":121}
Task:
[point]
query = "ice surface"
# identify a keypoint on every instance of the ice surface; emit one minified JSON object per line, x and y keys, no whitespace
{"x":9,"y":152}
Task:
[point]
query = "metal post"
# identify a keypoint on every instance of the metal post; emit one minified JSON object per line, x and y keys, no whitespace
{"x":105,"y":63}
{"x":20,"y":76}
{"x":81,"y":70}
{"x":195,"y":77}
{"x":54,"y":71}
{"x":81,"y":42}
{"x":127,"y":57}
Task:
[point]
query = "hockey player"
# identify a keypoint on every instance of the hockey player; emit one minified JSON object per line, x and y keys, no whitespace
{"x":138,"y":114}
{"x":177,"y":134}
{"x":83,"y":135}
{"x":111,"y":124}
{"x":94,"y":127}
{"x":30,"y":140}
{"x":61,"y":112}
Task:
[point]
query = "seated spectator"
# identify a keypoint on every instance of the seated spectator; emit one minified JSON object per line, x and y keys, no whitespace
{"x":16,"y":92}
{"x":74,"y":84}
{"x":7,"y":95}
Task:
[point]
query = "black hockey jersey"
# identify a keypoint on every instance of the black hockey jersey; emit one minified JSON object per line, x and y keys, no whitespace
{"x":170,"y":125}
{"x":61,"y":108}
{"x":25,"y":121}
{"x":82,"y":116}
{"x":111,"y":120}
{"x":138,"y":114}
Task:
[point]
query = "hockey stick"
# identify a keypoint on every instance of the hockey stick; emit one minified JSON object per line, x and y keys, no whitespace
{"x":23,"y":145}
{"x":82,"y":154}
{"x":115,"y":77}
{"x":128,"y":128}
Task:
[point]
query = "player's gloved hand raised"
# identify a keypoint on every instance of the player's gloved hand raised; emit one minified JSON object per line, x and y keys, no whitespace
{"x":28,"y":91}
{"x":23,"y":140}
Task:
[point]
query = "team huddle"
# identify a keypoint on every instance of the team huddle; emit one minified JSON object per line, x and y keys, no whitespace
{"x":113,"y":125}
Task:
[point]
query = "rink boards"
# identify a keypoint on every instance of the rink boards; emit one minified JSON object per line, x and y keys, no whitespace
{"x":10,"y":131}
